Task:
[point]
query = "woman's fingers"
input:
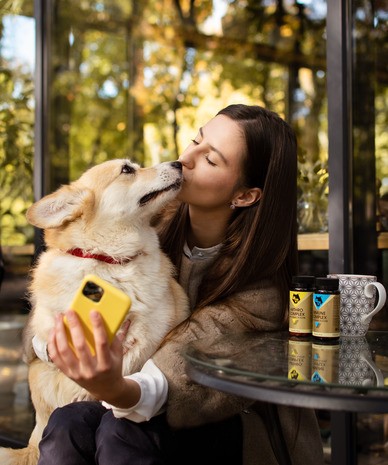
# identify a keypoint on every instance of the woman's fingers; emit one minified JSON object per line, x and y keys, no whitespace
{"x":78,"y":365}
{"x":58,"y":347}
{"x":77,"y":336}
{"x":96,"y":373}
{"x":101,"y":340}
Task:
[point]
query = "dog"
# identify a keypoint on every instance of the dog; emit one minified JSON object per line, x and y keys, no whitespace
{"x":100,"y":224}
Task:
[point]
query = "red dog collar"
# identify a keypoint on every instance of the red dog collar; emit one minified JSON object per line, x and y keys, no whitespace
{"x":97,"y":256}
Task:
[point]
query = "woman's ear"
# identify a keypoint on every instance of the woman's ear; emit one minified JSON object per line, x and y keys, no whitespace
{"x":248,"y":197}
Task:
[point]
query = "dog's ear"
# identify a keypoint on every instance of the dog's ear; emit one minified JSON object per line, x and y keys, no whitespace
{"x":64,"y":205}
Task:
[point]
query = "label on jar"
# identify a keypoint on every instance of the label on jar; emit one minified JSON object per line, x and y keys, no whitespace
{"x":326,"y":316}
{"x":300,"y":312}
{"x":299,"y":360}
{"x":325,"y":363}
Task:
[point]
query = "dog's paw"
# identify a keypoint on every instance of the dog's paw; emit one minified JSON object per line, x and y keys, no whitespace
{"x":129,"y":344}
{"x":83,"y":394}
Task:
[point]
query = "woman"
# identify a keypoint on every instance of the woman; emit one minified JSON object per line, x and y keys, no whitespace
{"x":233,"y":241}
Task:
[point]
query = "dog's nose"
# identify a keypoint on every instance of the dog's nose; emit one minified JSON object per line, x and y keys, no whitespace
{"x":177,"y":165}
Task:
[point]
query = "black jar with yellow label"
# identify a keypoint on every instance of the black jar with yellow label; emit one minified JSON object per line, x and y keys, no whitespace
{"x":301,"y":305}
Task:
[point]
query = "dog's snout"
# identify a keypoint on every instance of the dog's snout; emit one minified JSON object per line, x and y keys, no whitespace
{"x":177,"y":165}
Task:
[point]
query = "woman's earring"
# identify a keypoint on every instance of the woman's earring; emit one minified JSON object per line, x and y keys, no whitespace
{"x":232,"y":206}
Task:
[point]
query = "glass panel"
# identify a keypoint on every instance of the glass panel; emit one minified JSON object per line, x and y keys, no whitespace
{"x":90,"y":103}
{"x":17,"y":51}
{"x":370,"y":138}
{"x":379,"y":82}
{"x":380,"y":20}
{"x":16,"y":149}
{"x":137,"y":78}
{"x":369,"y":118}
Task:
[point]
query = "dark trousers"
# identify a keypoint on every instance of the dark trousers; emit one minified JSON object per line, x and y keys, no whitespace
{"x":85,"y":433}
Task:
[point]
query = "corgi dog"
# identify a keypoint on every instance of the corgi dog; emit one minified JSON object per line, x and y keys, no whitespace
{"x":100,"y":225}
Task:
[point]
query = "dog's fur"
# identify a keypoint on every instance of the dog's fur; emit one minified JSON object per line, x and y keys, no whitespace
{"x":107,"y":211}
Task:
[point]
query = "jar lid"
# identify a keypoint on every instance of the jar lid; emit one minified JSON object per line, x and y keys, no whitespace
{"x":327,"y":284}
{"x":303,"y":281}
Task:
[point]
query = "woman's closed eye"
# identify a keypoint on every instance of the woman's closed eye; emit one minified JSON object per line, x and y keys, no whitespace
{"x":209,"y":161}
{"x":195,"y":142}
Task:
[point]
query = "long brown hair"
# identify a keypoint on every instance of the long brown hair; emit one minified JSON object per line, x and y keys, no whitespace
{"x":261,"y":240}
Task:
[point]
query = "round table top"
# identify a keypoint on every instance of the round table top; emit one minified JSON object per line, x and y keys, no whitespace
{"x":349,"y":374}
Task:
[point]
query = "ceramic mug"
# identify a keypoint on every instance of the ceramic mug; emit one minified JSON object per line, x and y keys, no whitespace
{"x":358,"y":302}
{"x":356,"y":365}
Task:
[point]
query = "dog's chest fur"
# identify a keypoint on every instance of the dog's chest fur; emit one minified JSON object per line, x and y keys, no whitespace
{"x":146,"y":279}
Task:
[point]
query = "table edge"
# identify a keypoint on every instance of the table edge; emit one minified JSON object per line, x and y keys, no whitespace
{"x":291,"y":396}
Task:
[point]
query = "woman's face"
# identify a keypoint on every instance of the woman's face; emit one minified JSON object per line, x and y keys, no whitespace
{"x":212,"y":164}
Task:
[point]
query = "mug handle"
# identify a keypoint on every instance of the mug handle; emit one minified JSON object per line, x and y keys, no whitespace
{"x":377,"y":372}
{"x":380,"y":304}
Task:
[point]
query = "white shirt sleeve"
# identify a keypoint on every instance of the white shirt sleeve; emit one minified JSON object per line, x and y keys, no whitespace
{"x":154,"y":388}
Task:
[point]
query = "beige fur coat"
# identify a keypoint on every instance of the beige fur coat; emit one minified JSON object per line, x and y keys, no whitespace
{"x":190,"y":404}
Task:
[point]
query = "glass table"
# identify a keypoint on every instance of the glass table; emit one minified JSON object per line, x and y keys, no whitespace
{"x":346,"y":376}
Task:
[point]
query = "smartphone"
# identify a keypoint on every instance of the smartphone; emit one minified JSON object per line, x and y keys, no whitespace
{"x":95,"y":293}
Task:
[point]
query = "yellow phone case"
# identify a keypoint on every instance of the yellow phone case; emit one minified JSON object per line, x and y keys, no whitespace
{"x":95,"y":293}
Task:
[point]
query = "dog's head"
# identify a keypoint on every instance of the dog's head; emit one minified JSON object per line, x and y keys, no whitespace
{"x":116,"y":193}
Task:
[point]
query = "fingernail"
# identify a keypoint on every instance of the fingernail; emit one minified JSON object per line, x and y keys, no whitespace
{"x":70,"y":315}
{"x":95,"y":315}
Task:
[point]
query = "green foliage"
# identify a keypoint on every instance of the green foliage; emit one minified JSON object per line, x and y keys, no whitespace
{"x":137,"y":78}
{"x":16,"y":153}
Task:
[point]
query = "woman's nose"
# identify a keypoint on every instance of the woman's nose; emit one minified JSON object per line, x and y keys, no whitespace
{"x":186,"y":160}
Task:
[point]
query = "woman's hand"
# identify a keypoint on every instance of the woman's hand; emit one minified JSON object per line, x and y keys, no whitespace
{"x":100,"y":374}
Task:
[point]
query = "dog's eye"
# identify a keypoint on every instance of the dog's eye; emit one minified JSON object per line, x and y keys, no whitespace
{"x":127,"y":169}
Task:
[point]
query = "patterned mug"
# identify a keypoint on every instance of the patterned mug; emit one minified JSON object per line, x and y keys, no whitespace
{"x":356,"y":364}
{"x":358,"y":299}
